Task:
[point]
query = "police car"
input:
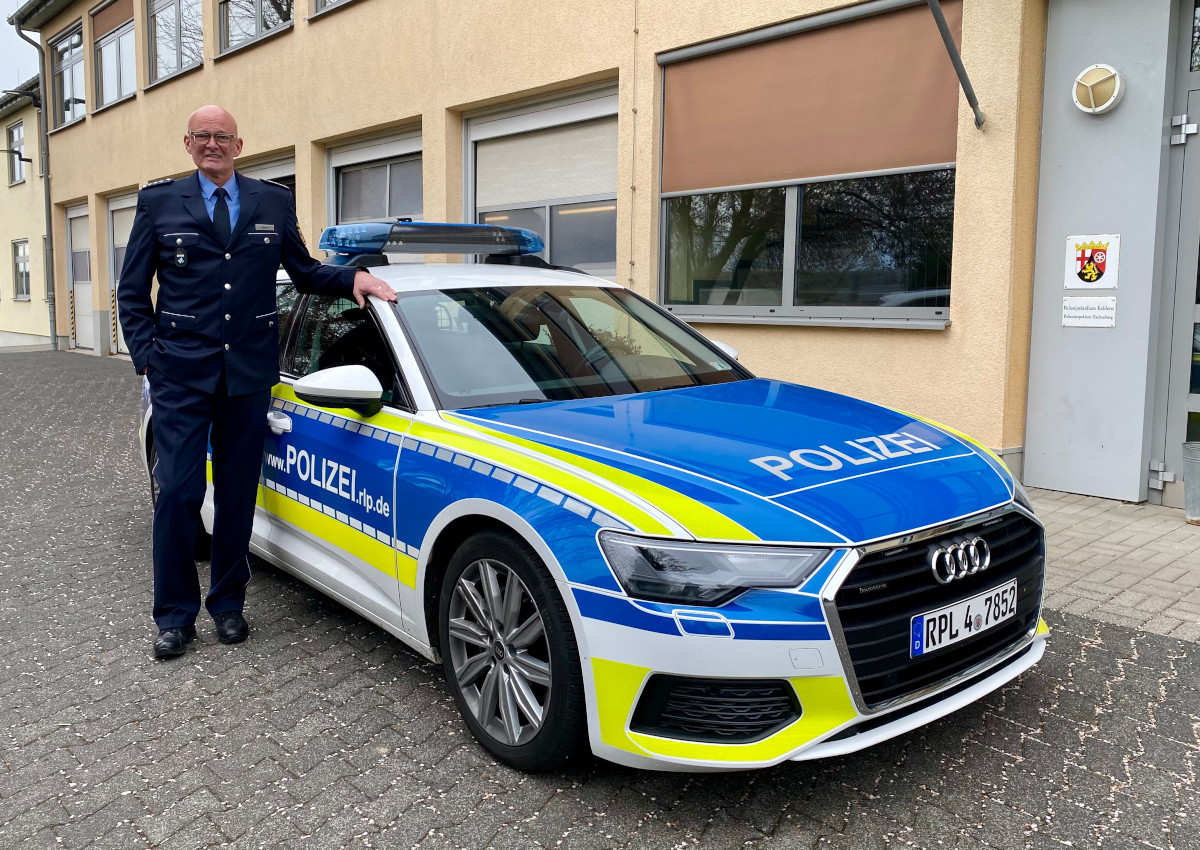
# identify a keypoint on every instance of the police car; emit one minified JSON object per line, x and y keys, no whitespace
{"x":613,"y":536}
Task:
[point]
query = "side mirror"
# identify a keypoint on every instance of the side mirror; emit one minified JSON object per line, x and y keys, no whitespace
{"x":355,"y":387}
{"x":725,"y":348}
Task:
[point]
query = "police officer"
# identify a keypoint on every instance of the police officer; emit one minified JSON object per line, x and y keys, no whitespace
{"x":209,"y":347}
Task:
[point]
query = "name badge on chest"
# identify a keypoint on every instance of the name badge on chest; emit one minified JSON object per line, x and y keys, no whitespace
{"x":181,"y":258}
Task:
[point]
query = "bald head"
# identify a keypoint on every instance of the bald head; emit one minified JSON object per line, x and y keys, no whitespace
{"x":213,"y":143}
{"x":212,"y":113}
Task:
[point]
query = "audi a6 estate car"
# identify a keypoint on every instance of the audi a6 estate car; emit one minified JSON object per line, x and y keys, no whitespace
{"x":612,"y":535}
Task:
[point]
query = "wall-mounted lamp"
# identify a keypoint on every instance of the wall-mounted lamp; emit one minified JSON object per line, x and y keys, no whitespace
{"x":1098,"y":89}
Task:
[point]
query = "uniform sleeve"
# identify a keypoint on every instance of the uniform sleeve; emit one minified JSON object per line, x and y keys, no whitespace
{"x":309,"y":275}
{"x":133,"y":292}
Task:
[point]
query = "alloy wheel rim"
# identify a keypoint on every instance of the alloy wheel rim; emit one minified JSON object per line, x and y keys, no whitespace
{"x":499,"y":652}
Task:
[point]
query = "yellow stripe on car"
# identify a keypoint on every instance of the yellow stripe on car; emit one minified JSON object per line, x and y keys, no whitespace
{"x":378,"y":554}
{"x":825,"y":705}
{"x":552,"y":474}
{"x":699,"y":519}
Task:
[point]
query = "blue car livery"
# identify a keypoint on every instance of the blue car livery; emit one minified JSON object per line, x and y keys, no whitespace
{"x":615,"y":538}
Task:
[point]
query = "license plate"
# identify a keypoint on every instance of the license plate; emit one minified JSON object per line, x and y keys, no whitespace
{"x":945,"y":627}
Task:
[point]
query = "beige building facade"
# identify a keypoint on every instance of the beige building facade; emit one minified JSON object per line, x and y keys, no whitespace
{"x":614,"y":128}
{"x":24,"y":318}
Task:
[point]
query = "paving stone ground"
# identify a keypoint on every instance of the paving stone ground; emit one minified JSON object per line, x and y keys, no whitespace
{"x":324,"y":732}
{"x":1133,"y":565}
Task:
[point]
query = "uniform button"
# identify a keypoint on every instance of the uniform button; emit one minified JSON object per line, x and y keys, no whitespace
{"x":270,"y":324}
{"x":226,"y":346}
{"x":228,"y":317}
{"x":227,"y":286}
{"x":178,"y":241}
{"x":229,"y":256}
{"x":266,"y":240}
{"x":173,"y":324}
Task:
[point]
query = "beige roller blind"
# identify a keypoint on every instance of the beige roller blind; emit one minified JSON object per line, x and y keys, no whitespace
{"x":572,"y":161}
{"x":111,"y":17}
{"x":866,"y":95}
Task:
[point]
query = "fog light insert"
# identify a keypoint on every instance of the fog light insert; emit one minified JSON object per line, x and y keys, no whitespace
{"x":728,"y":711}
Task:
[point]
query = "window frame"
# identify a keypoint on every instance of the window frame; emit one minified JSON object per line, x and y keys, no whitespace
{"x":288,"y":346}
{"x":367,"y":151}
{"x":153,"y":7}
{"x":548,"y":206}
{"x":787,"y":312}
{"x":259,"y":32}
{"x":16,"y":168}
{"x":58,"y":74}
{"x":114,"y":38}
{"x":17,"y":273}
{"x":387,"y":162}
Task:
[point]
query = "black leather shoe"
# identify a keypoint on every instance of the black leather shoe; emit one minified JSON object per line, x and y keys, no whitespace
{"x":172,"y":643}
{"x":231,"y":627}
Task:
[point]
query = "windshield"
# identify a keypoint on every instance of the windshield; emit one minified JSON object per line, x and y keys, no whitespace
{"x":513,"y":345}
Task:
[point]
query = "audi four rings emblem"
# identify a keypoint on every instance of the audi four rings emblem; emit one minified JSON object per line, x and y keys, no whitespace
{"x":956,"y":560}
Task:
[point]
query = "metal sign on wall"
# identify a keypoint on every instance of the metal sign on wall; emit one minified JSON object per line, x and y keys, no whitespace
{"x":1092,"y":261}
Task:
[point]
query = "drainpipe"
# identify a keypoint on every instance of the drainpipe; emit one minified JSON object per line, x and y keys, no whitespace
{"x":44,"y":133}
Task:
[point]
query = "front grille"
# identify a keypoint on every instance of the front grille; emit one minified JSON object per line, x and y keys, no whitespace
{"x":732,"y":712}
{"x":888,"y":587}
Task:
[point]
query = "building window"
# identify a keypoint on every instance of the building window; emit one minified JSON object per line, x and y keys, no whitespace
{"x":867,"y":242}
{"x":246,"y":20}
{"x":557,"y":179}
{"x":580,"y":235}
{"x":116,"y":60}
{"x":795,"y":191}
{"x":380,"y":189}
{"x":176,"y":36}
{"x":21,"y":270}
{"x":66,"y":57}
{"x":16,"y":142}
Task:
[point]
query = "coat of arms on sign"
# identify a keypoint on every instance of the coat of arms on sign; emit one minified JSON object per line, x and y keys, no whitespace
{"x":1090,"y":258}
{"x":1092,"y":261}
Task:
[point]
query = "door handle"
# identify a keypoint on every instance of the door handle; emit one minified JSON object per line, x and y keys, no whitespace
{"x":279,"y":423}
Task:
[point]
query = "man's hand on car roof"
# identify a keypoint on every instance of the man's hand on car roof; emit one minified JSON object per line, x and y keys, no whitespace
{"x":366,"y":284}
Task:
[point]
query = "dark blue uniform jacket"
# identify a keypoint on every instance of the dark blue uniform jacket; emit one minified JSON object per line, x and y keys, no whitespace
{"x":216,"y":307}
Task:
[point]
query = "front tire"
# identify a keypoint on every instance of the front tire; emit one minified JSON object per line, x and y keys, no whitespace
{"x":510,"y":655}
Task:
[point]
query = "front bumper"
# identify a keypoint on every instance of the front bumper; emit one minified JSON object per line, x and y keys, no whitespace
{"x":628,"y":657}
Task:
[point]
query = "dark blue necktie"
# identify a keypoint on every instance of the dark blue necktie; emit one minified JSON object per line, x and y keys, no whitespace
{"x":221,"y":217}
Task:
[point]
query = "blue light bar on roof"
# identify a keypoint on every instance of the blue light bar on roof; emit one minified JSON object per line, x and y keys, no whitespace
{"x":428,"y":237}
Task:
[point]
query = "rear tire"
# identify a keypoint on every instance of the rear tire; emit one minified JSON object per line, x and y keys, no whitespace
{"x":202,"y":550}
{"x":510,"y":655}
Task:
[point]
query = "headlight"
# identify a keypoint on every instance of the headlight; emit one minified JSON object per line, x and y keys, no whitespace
{"x":1021,"y":497}
{"x":703,"y":573}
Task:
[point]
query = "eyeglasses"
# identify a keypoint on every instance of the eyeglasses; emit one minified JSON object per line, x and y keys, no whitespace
{"x":222,"y":139}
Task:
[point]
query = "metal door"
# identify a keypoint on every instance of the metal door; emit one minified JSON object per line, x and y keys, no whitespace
{"x":1177,"y":380}
{"x":79,"y":271}
{"x":1180,"y":327}
{"x":120,"y":223}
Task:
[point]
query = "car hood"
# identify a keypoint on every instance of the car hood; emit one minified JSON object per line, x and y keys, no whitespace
{"x":783,"y":462}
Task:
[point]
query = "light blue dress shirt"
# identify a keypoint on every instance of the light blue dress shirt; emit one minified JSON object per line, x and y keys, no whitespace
{"x":209,"y":188}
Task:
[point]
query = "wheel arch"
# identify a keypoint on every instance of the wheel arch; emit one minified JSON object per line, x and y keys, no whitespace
{"x":446,"y":533}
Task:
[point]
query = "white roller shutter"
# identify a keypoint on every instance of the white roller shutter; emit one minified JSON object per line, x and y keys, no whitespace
{"x":572,"y":161}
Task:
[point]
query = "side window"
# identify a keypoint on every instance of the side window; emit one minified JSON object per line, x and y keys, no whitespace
{"x":286,"y":297}
{"x":337,"y":332}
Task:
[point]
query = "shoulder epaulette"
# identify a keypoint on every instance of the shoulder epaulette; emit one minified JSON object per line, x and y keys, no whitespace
{"x":273,"y":183}
{"x":163,"y":182}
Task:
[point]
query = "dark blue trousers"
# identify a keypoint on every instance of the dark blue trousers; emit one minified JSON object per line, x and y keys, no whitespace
{"x":185,"y":421}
